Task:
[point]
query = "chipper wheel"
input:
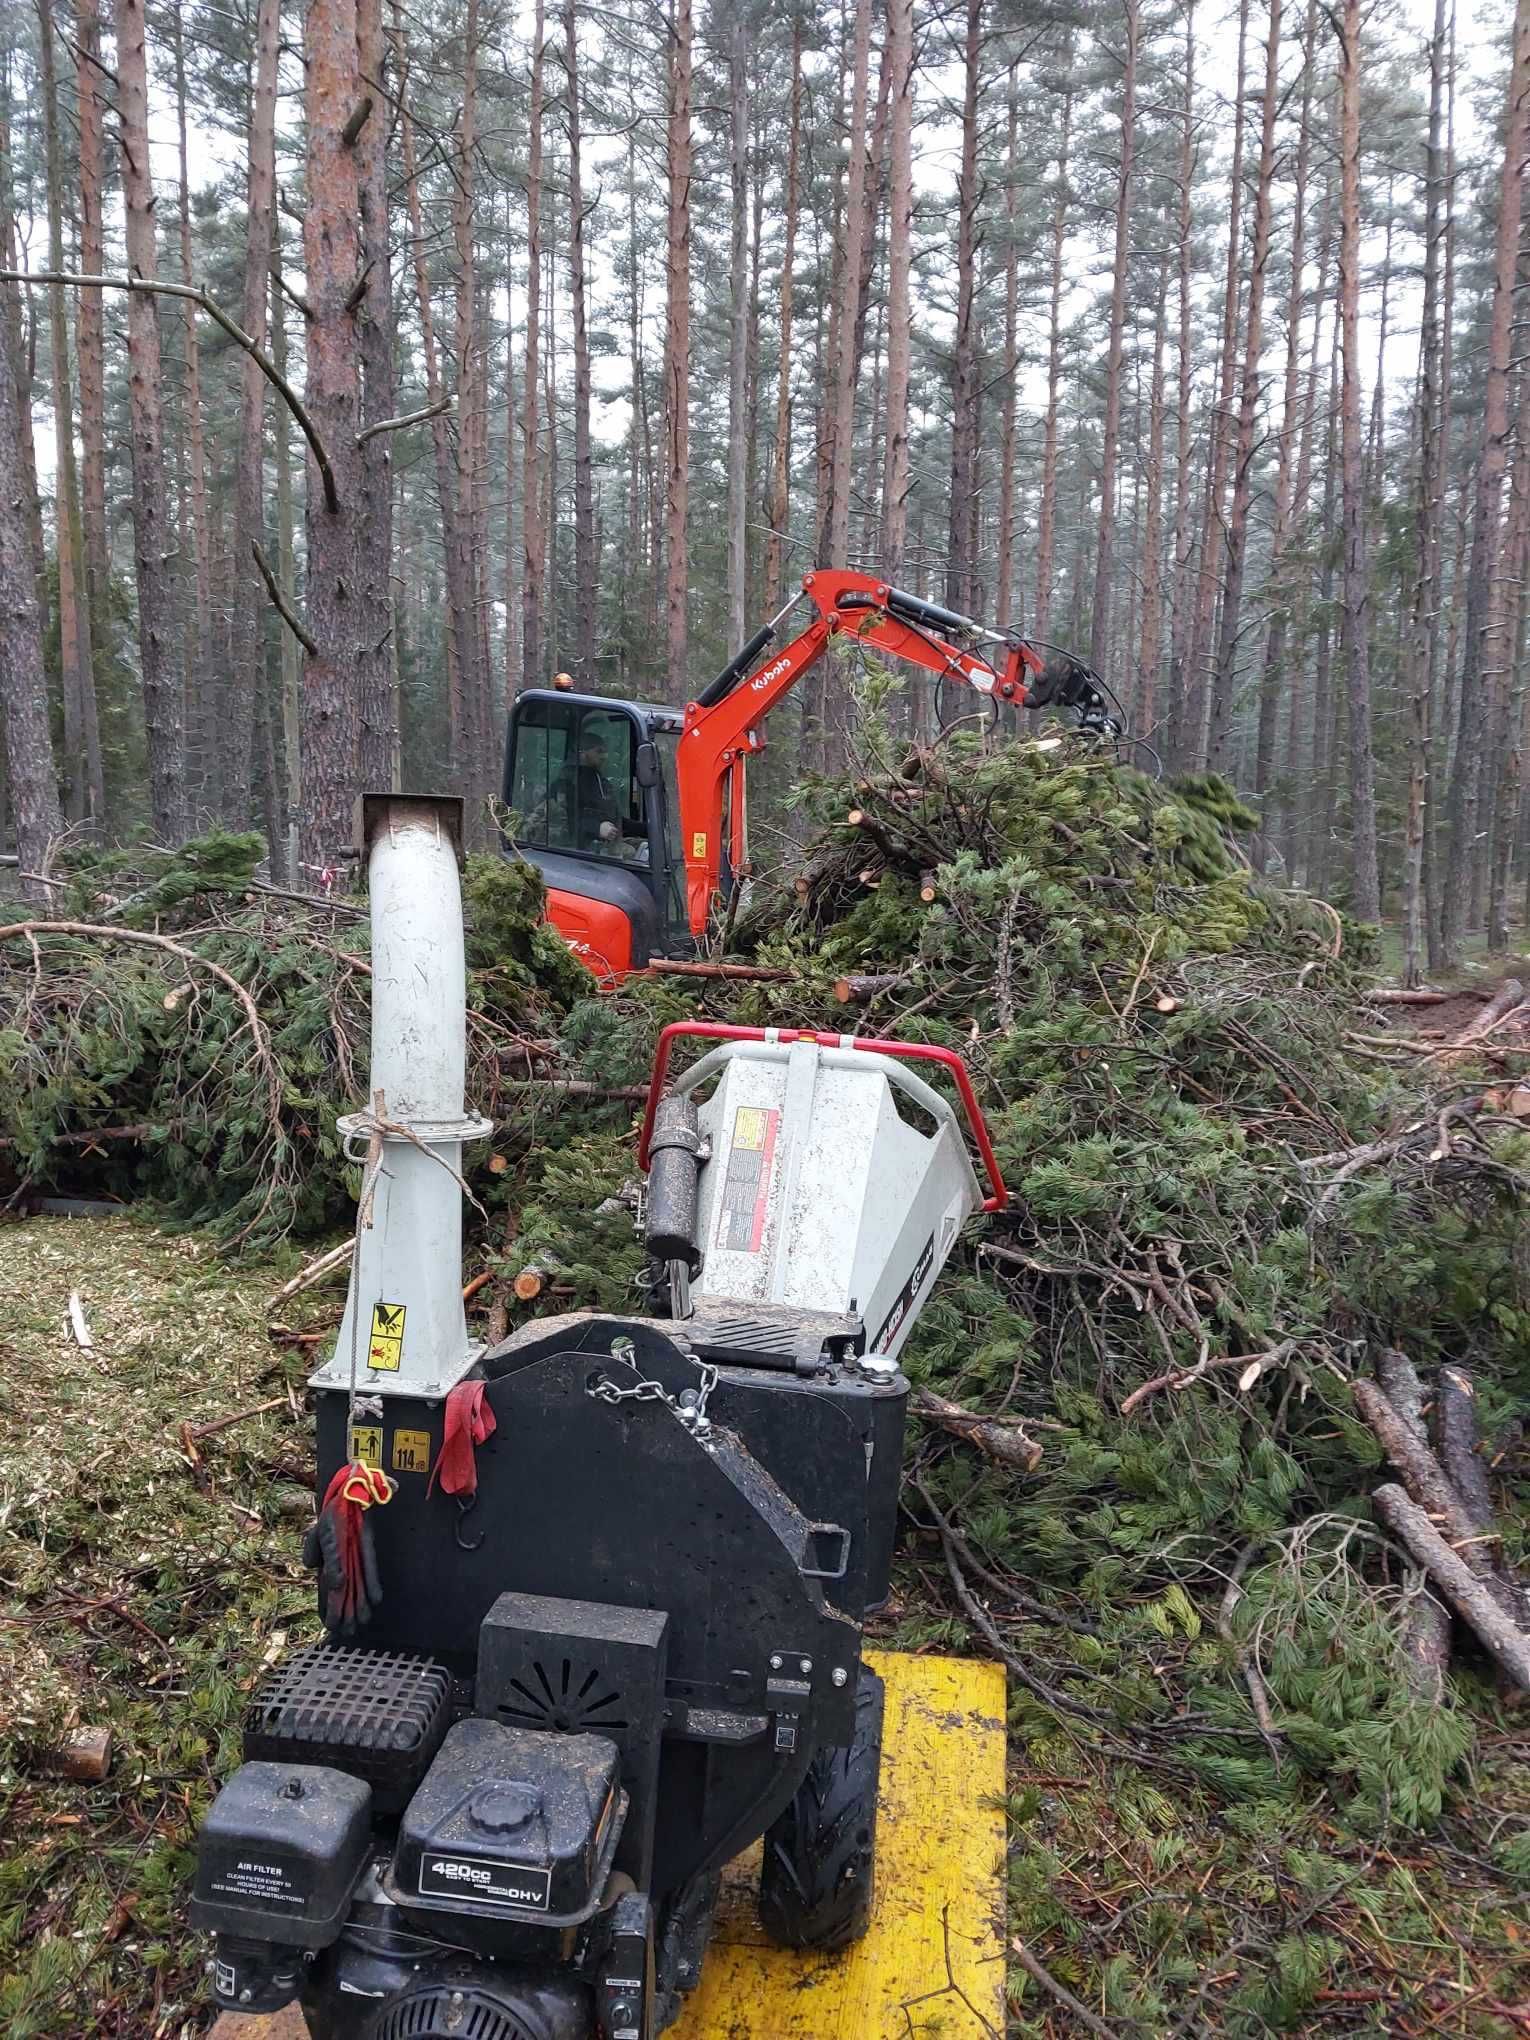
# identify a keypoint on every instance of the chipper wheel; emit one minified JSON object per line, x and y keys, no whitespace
{"x":819,"y":1864}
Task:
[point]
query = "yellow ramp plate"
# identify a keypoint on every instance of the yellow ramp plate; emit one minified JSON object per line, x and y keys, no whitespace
{"x":939,"y":1890}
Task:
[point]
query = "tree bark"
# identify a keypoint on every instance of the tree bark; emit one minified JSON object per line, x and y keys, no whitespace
{"x":1005,"y":571}
{"x":286,"y":549}
{"x":1224,"y":679}
{"x":337,"y":612}
{"x":12,"y":305}
{"x":531,"y":516}
{"x":1273,"y":682}
{"x":23,"y":684}
{"x":1355,"y":611}
{"x":1046,"y":523}
{"x":246,"y":662}
{"x":1505,"y":1642}
{"x":781,"y":463}
{"x":89,"y":318}
{"x":586,"y":560}
{"x":1151,"y":644}
{"x":1181,"y":546}
{"x":738,"y":329}
{"x":843,"y":426}
{"x":677,"y":355}
{"x":205,"y":702}
{"x":965,"y":400}
{"x":1191,"y":750}
{"x":1115,"y":348}
{"x":158,"y":634}
{"x":900,"y":233}
{"x":376,"y":708}
{"x":1487,"y":495}
{"x":84,"y":798}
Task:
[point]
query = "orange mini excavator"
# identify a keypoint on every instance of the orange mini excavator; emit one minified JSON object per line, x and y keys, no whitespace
{"x":635,"y":814}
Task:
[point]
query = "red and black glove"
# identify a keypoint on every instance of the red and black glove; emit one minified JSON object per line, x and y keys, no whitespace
{"x":342,"y":1550}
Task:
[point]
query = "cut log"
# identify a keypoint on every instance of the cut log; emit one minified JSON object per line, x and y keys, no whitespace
{"x":1455,"y":1425}
{"x":756,"y":973}
{"x":1422,"y":1474}
{"x":1509,"y":994}
{"x":533,"y":1279}
{"x":1426,"y":1645}
{"x":1401,"y":995}
{"x":1403,"y":1389}
{"x":1002,"y":1438}
{"x":856,"y":990}
{"x":84,"y":1756}
{"x":929,"y":891}
{"x":1471,"y":1598}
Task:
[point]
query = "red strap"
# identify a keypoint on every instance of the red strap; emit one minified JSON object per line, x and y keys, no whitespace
{"x":469,"y":1420}
{"x":348,"y":1524}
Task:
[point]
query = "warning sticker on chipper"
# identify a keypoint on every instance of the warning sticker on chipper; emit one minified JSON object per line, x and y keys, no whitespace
{"x":386,"y":1345}
{"x":485,"y":1881}
{"x":746,"y":1187}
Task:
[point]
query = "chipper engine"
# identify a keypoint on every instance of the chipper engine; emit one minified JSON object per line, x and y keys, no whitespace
{"x":593,"y":1597}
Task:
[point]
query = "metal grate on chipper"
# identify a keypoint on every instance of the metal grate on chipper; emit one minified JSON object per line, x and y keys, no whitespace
{"x":375,"y":1714}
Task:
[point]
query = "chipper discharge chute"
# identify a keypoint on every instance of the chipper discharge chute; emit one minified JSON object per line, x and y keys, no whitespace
{"x":593,"y":1598}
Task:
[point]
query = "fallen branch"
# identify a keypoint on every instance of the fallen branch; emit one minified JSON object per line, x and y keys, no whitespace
{"x":1049,"y":1983}
{"x":757,"y":973}
{"x":152,"y":287}
{"x":196,"y":1432}
{"x":1183,"y":1376}
{"x":1422,"y":1474}
{"x":314,"y":1271}
{"x":281,"y":605}
{"x":90,"y":1135}
{"x":858,"y":989}
{"x":1003,"y":1438}
{"x":1509,"y":995}
{"x":1471,"y":1598}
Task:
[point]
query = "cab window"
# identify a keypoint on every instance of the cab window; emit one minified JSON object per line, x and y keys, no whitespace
{"x":572,"y":786}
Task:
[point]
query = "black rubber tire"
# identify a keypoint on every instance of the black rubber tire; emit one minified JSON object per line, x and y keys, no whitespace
{"x":819,"y":1866}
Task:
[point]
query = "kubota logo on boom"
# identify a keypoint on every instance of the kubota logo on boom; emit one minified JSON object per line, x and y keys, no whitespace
{"x":762,"y":680}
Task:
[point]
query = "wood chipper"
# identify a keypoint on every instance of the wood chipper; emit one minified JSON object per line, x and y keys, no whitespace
{"x":593,"y":1599}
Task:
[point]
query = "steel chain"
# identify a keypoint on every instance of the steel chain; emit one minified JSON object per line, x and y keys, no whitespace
{"x":692,"y":1412}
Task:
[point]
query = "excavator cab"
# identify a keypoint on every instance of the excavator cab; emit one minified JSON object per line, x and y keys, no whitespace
{"x":590,"y":786}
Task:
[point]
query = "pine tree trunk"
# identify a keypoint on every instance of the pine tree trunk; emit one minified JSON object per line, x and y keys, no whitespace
{"x":738,"y":330}
{"x":23,"y":685}
{"x":1272,"y":680}
{"x":459,"y":606}
{"x":246,"y":663}
{"x":374,"y":534}
{"x":1355,"y":613}
{"x":843,"y":418}
{"x":1046,"y":524}
{"x":13,"y":310}
{"x":781,"y":460}
{"x":337,"y":612}
{"x":286,"y":569}
{"x":960,"y":565}
{"x":1472,"y":699}
{"x":1219,"y":735}
{"x":84,"y":800}
{"x":1151,"y":650}
{"x":586,"y":557}
{"x":677,"y":355}
{"x":89,"y":318}
{"x":1191,"y":752}
{"x":158,"y":630}
{"x":532,"y":542}
{"x":205,"y":702}
{"x":1429,"y":515}
{"x":1004,"y":577}
{"x":1180,"y":547}
{"x":1442,"y":660}
{"x":900,"y":234}
{"x":1104,"y":563}
{"x":466,"y":572}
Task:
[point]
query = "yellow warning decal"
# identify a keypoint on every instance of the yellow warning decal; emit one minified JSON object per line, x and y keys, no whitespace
{"x":366,"y":1444}
{"x":411,"y":1452}
{"x":749,"y":1123}
{"x":386,"y":1345}
{"x":699,"y":843}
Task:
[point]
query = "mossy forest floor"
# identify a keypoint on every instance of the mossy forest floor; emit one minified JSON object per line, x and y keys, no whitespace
{"x":141,"y":1592}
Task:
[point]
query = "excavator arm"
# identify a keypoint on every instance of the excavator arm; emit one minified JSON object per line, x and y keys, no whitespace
{"x":722,"y":726}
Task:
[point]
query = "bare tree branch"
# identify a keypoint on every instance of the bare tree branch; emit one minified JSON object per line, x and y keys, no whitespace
{"x":409,"y":418}
{"x":216,"y":313}
{"x":279,"y":602}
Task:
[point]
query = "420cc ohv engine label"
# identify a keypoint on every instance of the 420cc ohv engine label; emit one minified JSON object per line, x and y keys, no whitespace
{"x":483,"y":1881}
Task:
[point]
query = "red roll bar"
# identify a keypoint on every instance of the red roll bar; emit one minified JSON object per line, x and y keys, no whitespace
{"x":905,"y":1051}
